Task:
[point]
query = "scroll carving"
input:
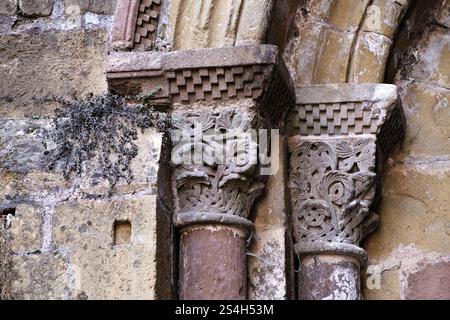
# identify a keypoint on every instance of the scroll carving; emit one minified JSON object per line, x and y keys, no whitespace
{"x":332,"y":185}
{"x":216,"y":185}
{"x":340,"y":135}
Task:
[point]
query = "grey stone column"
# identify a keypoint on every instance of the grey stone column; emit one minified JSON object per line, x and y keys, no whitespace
{"x":339,"y":138}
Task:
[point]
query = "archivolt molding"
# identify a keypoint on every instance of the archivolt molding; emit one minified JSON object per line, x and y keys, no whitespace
{"x":328,"y":43}
{"x":189,"y":24}
{"x":135,"y":24}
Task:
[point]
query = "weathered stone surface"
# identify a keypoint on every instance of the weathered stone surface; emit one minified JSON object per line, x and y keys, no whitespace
{"x":428,"y":114}
{"x":213,"y":264}
{"x":36,"y":7}
{"x":26,"y":229}
{"x":369,"y":58}
{"x":22,"y":144}
{"x":347,"y":14}
{"x":5,"y":261}
{"x":433,"y":61}
{"x":96,"y":6}
{"x":339,"y":278}
{"x":332,"y":61}
{"x":414,"y":209}
{"x":102,"y":270}
{"x":199,"y":24}
{"x":37,"y":67}
{"x":144,"y":168}
{"x":301,"y":52}
{"x":383,"y":17}
{"x":411,"y":246}
{"x":431,"y":282}
{"x":269,"y":259}
{"x":8,"y":7}
{"x":41,"y":277}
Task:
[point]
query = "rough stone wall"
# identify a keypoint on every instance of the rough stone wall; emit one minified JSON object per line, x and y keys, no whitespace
{"x":411,"y":249}
{"x":71,"y":238}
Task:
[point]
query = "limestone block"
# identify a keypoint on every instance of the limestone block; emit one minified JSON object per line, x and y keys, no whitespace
{"x":331,"y":65}
{"x":415,"y":210}
{"x":347,"y":14}
{"x":144,"y":168}
{"x":218,"y":23}
{"x":36,"y":7}
{"x":302,"y":50}
{"x":26,"y":229}
{"x":430,"y":282}
{"x":319,"y":8}
{"x":254,"y":21}
{"x":106,"y":7}
{"x":428,"y":115}
{"x":369,"y":58}
{"x":8,"y":7}
{"x":40,"y":277}
{"x":434,"y":59}
{"x":383,"y":17}
{"x":75,"y":59}
{"x":101,"y":269}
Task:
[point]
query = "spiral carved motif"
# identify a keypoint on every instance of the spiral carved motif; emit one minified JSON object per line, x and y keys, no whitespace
{"x":332,"y":187}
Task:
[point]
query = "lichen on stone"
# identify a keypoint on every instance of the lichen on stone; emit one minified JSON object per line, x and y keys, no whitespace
{"x":101,"y":128}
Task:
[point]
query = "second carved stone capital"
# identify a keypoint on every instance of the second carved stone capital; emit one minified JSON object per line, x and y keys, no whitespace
{"x":339,"y":137}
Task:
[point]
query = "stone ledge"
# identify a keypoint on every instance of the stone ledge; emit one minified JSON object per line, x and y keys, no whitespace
{"x":185,"y":77}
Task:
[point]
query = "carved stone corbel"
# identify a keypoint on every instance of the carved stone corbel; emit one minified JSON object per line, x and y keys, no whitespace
{"x":339,"y":137}
{"x":221,"y":99}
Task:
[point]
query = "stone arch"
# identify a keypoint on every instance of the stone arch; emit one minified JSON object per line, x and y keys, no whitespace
{"x":328,"y":43}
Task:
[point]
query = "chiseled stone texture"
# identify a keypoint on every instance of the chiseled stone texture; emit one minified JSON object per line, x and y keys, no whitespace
{"x":60,"y":253}
{"x":336,"y":41}
{"x":8,"y":7}
{"x":39,"y":276}
{"x":96,"y":6}
{"x":33,"y":8}
{"x":83,"y":230}
{"x":36,"y":67}
{"x":26,"y":229}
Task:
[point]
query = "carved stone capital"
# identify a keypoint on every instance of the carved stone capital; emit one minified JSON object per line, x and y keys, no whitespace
{"x":220,"y":99}
{"x":216,"y":173}
{"x":339,"y":136}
